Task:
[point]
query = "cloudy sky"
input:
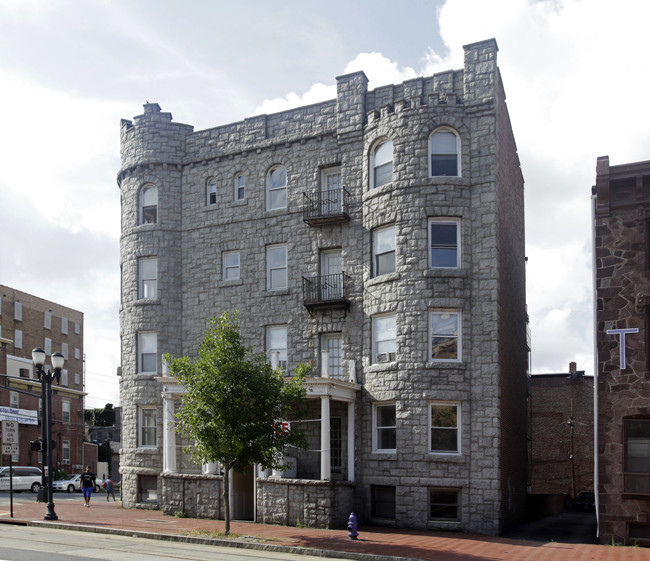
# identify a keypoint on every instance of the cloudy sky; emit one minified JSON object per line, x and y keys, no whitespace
{"x":575,"y":72}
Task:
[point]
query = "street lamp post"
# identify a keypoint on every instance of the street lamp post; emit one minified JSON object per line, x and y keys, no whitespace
{"x":46,"y":376}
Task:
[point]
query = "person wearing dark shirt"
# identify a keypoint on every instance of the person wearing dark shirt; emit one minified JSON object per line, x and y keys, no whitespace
{"x":87,"y":485}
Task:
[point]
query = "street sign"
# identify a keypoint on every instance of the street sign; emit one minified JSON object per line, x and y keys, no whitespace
{"x":10,"y":449}
{"x":10,"y":432}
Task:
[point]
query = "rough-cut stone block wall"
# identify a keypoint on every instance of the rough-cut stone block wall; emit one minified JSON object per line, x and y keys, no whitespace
{"x":198,"y":496}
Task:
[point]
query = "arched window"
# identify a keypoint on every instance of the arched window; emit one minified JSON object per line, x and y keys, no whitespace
{"x":240,"y":187}
{"x":444,"y":147}
{"x":149,"y":205}
{"x":381,"y":164}
{"x":211,"y":192}
{"x":276,"y":188}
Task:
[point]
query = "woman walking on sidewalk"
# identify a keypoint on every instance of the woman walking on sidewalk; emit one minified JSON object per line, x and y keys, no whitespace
{"x":87,"y":485}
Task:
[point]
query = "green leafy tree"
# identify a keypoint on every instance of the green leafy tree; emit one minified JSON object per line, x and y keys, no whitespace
{"x":234,"y":403}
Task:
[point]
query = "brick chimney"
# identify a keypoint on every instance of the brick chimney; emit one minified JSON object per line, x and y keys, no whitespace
{"x":572,"y":367}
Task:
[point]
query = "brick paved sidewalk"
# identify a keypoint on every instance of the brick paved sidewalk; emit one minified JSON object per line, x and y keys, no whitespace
{"x":433,"y":546}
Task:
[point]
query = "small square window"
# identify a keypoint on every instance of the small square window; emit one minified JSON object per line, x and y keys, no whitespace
{"x":147,"y":489}
{"x":443,"y":504}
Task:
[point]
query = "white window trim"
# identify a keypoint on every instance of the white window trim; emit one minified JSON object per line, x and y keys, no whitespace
{"x":283,"y":351}
{"x":459,"y":337}
{"x":141,"y":204}
{"x":375,"y":234}
{"x":459,"y":424}
{"x":375,"y":428}
{"x":140,"y":345}
{"x":226,"y":268}
{"x":141,"y":427}
{"x":210,"y":187}
{"x":236,"y":186}
{"x":141,"y":279}
{"x":444,"y":220}
{"x":269,"y":190}
{"x":269,"y":270}
{"x":459,"y":160}
{"x":375,"y":351}
{"x":66,"y":409}
{"x":373,"y":152}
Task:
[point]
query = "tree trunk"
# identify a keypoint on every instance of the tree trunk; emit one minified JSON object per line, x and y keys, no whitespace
{"x":226,"y":497}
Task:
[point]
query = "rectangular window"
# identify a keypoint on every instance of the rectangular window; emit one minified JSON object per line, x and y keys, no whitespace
{"x":14,"y":400}
{"x":444,"y":428}
{"x":444,"y":236}
{"x":64,"y":350}
{"x":65,"y":410}
{"x":240,"y":187}
{"x":47,"y":345}
{"x":383,"y":248}
{"x":276,"y":342}
{"x":18,"y":311}
{"x":65,"y":452}
{"x":331,"y":342}
{"x":383,"y":501}
{"x":47,"y":320}
{"x":336,"y":447}
{"x":637,"y":456}
{"x":276,"y":267}
{"x":77,"y":328}
{"x":23,"y":372}
{"x":77,"y":379}
{"x":276,"y":188}
{"x":18,"y":339}
{"x":443,"y":504}
{"x":384,"y":338}
{"x":77,"y":353}
{"x":385,"y":427}
{"x":148,"y":422}
{"x":444,"y":331}
{"x":211,"y":192}
{"x":64,"y":377}
{"x":147,"y":352}
{"x":148,"y":276}
{"x":64,"y":326}
{"x":231,"y":265}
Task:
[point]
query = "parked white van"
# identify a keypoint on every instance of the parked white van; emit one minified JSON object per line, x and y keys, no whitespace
{"x":26,"y":478}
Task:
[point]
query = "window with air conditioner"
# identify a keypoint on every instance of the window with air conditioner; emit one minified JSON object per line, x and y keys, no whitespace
{"x":384,"y":341}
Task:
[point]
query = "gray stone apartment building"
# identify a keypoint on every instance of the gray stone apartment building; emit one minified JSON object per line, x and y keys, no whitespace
{"x":378,"y":236}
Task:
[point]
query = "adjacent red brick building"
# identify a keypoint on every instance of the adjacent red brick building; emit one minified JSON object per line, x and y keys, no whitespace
{"x":622,"y":240}
{"x":562,"y":436}
{"x":26,"y":322}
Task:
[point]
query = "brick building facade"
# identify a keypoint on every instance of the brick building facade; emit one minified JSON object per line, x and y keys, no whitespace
{"x":27,"y":322}
{"x":621,"y":199}
{"x":378,"y":236}
{"x":562,"y":436}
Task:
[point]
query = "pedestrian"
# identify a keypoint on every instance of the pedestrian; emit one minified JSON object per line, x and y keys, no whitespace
{"x":108,"y":486}
{"x":88,"y":480}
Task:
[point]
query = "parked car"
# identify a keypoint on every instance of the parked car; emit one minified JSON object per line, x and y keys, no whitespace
{"x":25,"y":478}
{"x":70,"y":485}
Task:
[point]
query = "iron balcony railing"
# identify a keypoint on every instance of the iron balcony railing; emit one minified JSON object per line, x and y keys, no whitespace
{"x":327,"y":291}
{"x":325,"y":206}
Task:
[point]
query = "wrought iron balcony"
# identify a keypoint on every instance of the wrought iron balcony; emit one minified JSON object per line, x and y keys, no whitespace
{"x":326,"y":292}
{"x":325,"y":207}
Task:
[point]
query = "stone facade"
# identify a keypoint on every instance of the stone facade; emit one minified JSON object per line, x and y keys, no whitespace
{"x":622,"y":235}
{"x":203,"y":219}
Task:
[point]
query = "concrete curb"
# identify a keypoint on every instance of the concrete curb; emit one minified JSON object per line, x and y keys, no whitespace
{"x":210,"y":541}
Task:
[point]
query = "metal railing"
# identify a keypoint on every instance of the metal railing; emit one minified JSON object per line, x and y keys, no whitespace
{"x":326,"y":290}
{"x":325,"y":205}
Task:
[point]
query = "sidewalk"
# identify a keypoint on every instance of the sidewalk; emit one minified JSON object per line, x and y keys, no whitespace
{"x":373,"y":544}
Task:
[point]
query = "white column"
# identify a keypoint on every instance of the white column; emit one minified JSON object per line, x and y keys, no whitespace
{"x":325,"y":463}
{"x":351,"y":433}
{"x":169,"y":435}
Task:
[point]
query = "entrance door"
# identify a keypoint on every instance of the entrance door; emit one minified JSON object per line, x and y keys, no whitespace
{"x":330,"y":191}
{"x":331,"y":269}
{"x":242,"y":495}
